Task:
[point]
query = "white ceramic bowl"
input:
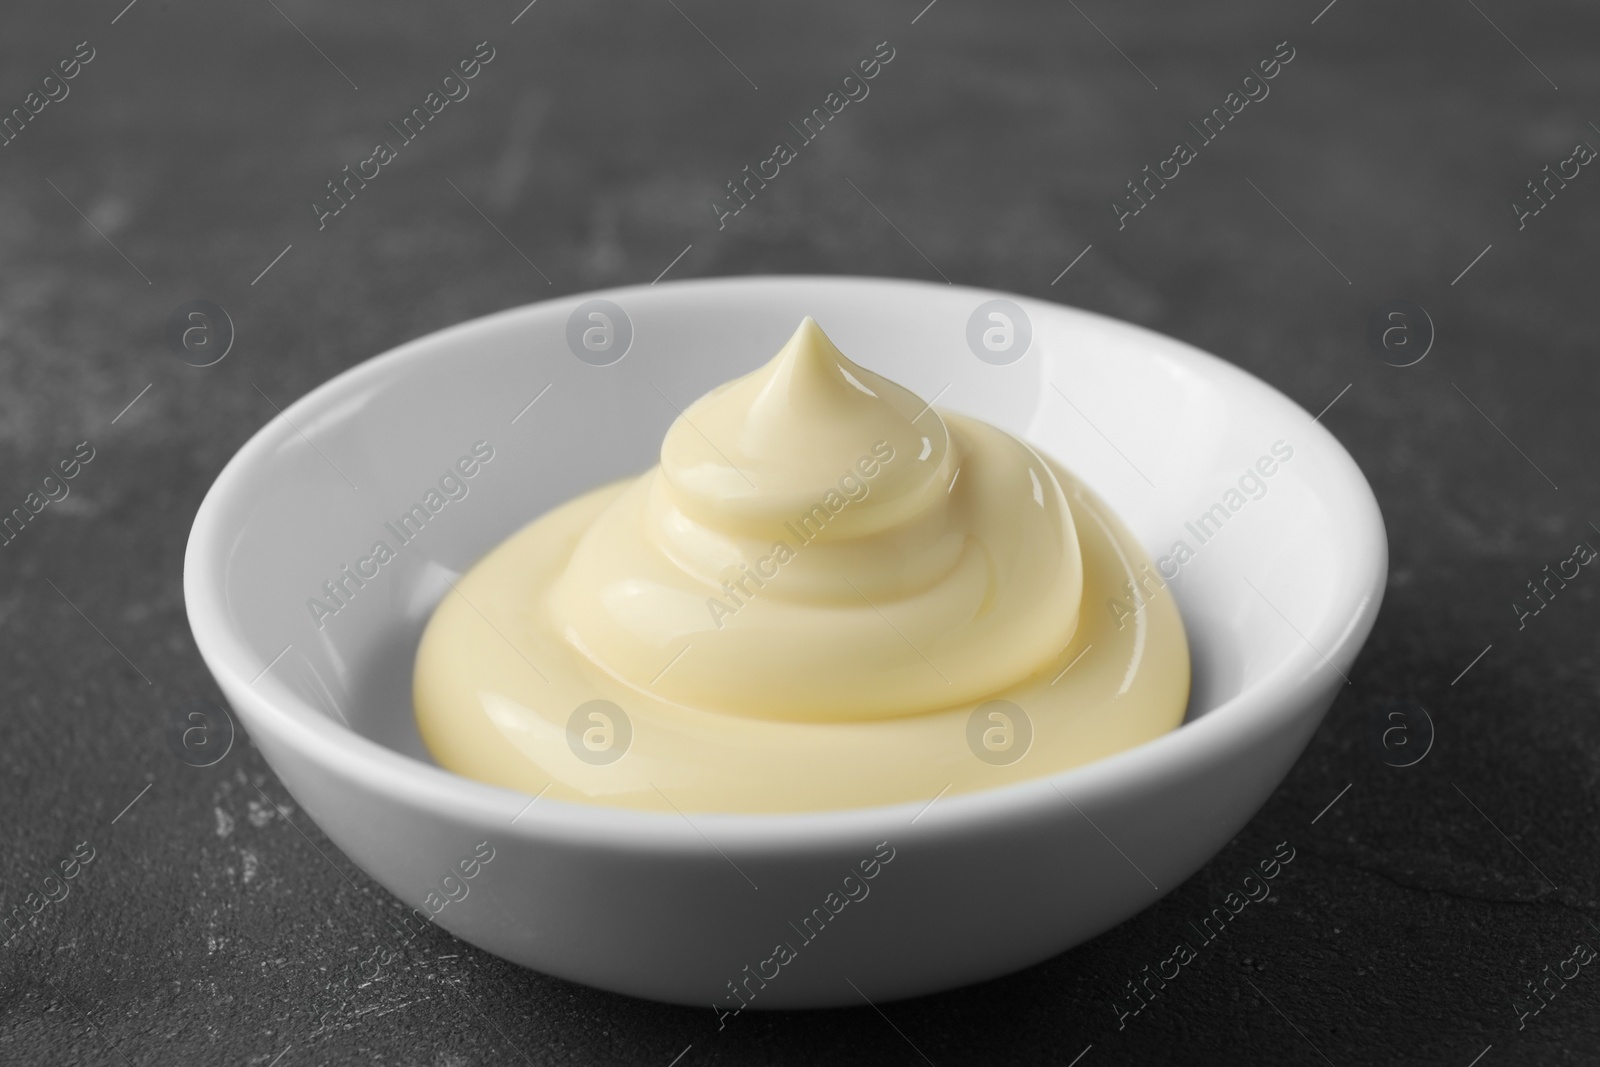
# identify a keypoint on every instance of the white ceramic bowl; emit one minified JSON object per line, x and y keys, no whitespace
{"x":1277,"y":603}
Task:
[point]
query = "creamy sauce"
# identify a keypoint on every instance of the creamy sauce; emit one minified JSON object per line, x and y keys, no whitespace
{"x":814,"y":601}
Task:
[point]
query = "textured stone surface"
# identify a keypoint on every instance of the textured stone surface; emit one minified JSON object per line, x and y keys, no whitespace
{"x":208,"y":930}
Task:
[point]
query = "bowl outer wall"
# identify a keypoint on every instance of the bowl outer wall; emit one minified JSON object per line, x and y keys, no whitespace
{"x":644,"y":904}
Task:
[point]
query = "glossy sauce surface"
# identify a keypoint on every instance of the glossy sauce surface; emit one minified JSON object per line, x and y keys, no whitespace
{"x":828,"y":594}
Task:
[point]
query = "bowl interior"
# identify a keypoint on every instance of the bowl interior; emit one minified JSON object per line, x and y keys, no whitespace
{"x":1282,"y":545}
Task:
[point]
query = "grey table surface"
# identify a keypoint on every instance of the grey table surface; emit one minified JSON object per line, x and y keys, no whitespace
{"x":1383,"y":164}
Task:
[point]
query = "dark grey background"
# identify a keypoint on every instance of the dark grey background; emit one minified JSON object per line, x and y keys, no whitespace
{"x":209,"y":930}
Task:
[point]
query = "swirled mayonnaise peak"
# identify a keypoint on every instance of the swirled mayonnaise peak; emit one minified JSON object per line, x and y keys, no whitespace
{"x":818,"y":543}
{"x":828,"y":594}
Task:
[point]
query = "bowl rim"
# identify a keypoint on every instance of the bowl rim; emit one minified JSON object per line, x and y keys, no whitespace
{"x":342,"y":752}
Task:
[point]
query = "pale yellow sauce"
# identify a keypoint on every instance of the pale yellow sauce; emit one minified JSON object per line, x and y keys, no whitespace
{"x":811,"y":603}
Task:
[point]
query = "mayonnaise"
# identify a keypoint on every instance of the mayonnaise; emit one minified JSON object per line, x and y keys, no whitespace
{"x":814,"y":601}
